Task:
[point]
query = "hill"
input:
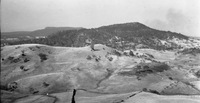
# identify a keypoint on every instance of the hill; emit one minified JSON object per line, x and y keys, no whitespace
{"x":34,"y":34}
{"x":52,"y":30}
{"x":47,"y":74}
{"x":120,"y":36}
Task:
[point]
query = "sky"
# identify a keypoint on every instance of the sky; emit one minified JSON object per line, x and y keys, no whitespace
{"x":182,"y":16}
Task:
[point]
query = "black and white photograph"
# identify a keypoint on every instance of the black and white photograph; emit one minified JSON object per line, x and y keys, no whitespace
{"x":100,"y":51}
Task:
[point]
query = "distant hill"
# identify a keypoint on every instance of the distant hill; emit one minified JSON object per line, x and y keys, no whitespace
{"x":120,"y":36}
{"x":52,"y":30}
{"x":17,"y":34}
{"x":42,"y":32}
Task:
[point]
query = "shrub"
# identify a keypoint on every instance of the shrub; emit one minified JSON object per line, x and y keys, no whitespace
{"x":98,"y":59}
{"x":33,"y":91}
{"x":154,"y":91}
{"x":89,"y":57}
{"x":146,"y":67}
{"x":12,"y":86}
{"x":43,"y":57}
{"x":170,"y":78}
{"x":26,"y":60}
{"x":198,"y":74}
{"x":45,"y":84}
{"x":115,"y":52}
{"x":10,"y":58}
{"x":94,"y":56}
{"x":110,"y":58}
{"x":144,"y":89}
{"x":13,"y":60}
{"x":23,"y":68}
{"x":125,"y":53}
{"x":161,"y":67}
{"x":23,"y":53}
{"x":131,"y":53}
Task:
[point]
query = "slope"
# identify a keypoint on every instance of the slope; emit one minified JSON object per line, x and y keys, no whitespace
{"x":37,"y":70}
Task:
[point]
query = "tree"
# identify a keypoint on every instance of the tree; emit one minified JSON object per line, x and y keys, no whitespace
{"x":92,"y":45}
{"x":131,"y":53}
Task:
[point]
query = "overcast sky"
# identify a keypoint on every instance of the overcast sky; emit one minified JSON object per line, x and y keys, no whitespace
{"x":181,"y":16}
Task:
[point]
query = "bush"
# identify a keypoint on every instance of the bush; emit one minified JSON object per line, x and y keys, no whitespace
{"x":89,"y":57}
{"x":110,"y":58}
{"x":26,"y":60}
{"x":13,"y":60}
{"x":45,"y":84}
{"x":125,"y":53}
{"x":153,"y":91}
{"x":115,"y":52}
{"x":12,"y":86}
{"x":43,"y":57}
{"x":10,"y":58}
{"x":161,"y":67}
{"x":23,"y":68}
{"x":131,"y":53}
{"x":198,"y":74}
{"x":98,"y":59}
